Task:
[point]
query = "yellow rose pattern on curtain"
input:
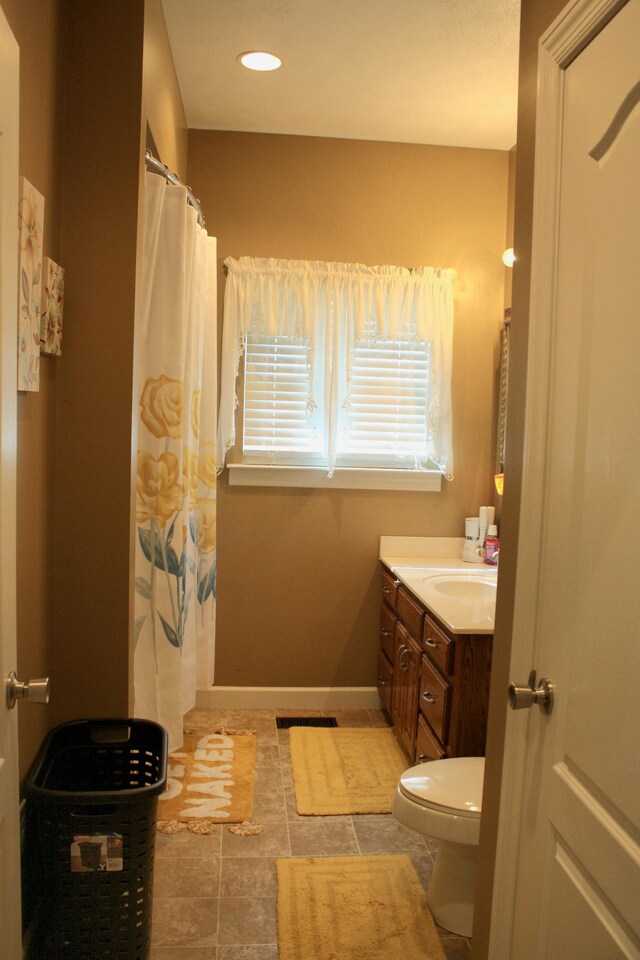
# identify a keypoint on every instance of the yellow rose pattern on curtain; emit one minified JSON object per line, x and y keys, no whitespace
{"x":175,"y":510}
{"x":175,"y":502}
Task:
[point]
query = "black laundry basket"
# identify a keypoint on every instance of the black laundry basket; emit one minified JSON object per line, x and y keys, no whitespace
{"x":94,"y":786}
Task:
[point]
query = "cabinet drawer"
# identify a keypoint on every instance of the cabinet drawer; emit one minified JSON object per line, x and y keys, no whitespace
{"x":387,"y":627}
{"x":427,"y":746}
{"x":385,"y":681}
{"x":434,"y":699}
{"x":410,"y":612}
{"x":389,"y":588}
{"x":437,"y":645}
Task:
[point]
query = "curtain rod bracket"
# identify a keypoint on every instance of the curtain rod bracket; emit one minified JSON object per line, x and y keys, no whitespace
{"x":159,"y":167}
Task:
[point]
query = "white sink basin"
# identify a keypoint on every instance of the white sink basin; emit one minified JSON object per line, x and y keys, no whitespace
{"x":463,"y":587}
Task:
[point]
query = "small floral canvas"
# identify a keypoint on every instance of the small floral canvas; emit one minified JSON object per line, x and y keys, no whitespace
{"x":30,"y":226}
{"x":51,"y":312}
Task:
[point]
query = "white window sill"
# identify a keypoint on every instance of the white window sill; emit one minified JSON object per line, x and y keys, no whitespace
{"x":344,"y":478}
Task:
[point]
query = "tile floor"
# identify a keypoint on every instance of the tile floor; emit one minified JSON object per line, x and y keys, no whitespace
{"x":215,"y":896}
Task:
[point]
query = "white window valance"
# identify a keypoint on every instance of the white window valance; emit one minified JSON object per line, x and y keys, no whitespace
{"x":335,"y":308}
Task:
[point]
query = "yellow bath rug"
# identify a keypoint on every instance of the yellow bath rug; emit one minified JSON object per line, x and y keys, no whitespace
{"x":209,"y":781}
{"x":345,"y":770}
{"x":353,"y":908}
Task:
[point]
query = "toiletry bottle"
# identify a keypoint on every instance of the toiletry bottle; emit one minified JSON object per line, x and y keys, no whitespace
{"x":492,"y":546}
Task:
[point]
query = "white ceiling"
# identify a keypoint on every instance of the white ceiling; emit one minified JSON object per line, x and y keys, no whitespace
{"x":416,"y":71}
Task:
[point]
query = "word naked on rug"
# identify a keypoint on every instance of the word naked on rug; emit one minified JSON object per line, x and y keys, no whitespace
{"x":211,"y":778}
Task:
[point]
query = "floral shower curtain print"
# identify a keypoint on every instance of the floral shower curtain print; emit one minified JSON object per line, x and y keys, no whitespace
{"x":175,"y":563}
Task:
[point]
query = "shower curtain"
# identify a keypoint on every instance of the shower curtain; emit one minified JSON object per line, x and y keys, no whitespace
{"x":175,"y":508}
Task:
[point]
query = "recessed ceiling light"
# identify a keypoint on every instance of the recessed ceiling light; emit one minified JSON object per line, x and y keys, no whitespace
{"x":259,"y":60}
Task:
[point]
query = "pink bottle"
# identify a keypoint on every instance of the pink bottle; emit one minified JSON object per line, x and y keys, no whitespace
{"x":492,"y":546}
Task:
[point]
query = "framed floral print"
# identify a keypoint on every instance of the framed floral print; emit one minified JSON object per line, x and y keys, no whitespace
{"x":51,"y":308}
{"x":30,"y":226}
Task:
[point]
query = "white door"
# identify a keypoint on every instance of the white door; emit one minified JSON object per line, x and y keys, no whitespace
{"x":568,"y":876}
{"x":10,"y":932}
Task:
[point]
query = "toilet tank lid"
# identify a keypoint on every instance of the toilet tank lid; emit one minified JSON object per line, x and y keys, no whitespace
{"x":454,"y":784}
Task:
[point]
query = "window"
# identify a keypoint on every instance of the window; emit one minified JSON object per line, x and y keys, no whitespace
{"x":385,"y":423}
{"x":382,"y":422}
{"x":346,"y":367}
{"x":276,"y":423}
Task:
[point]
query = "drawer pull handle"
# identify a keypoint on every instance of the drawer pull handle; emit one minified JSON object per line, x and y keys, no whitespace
{"x":387,"y":591}
{"x":431,"y":643}
{"x":399,"y":653}
{"x":429,"y":697}
{"x":422,"y":758}
{"x":385,"y":633}
{"x":382,"y":683}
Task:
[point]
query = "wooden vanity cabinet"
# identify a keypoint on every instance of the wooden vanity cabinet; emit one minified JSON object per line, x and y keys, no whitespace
{"x":387,"y":636}
{"x":434,"y":684}
{"x":405,"y":688}
{"x":454,"y":697}
{"x":428,"y":747}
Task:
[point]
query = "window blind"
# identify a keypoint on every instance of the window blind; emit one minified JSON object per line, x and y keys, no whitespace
{"x":277,"y":426}
{"x":387,"y":401}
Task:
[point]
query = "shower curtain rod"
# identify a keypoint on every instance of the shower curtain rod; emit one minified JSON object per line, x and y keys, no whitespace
{"x":159,"y":167}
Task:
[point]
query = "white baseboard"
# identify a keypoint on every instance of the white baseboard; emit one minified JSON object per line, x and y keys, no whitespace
{"x":289,"y":698}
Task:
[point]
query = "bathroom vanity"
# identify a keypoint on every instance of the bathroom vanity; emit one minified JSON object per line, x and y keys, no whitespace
{"x":436,"y":635}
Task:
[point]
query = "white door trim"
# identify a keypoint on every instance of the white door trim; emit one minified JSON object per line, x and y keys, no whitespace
{"x":10,"y":925}
{"x":572,"y":30}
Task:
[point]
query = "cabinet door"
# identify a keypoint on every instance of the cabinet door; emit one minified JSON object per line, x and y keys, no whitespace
{"x":427,"y":746}
{"x":385,"y":681}
{"x":387,"y":631}
{"x":434,"y":700}
{"x":410,"y":612}
{"x":411,"y":660}
{"x":399,"y":686}
{"x":438,"y":646}
{"x":389,"y":588}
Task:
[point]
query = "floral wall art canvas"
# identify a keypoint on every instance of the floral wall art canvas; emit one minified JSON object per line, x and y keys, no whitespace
{"x":30,"y":226}
{"x":51,"y":309}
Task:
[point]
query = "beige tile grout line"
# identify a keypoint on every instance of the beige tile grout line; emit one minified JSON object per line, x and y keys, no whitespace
{"x":217,"y":944}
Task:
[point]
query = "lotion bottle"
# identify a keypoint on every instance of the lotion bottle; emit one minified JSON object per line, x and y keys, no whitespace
{"x":492,"y":546}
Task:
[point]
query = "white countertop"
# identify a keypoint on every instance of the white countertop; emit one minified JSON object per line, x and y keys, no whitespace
{"x":415,"y":560}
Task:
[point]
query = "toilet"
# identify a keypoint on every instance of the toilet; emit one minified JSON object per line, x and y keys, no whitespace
{"x":443,"y":799}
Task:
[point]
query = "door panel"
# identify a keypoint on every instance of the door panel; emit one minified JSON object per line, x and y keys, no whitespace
{"x":578,"y":870}
{"x":10,"y":932}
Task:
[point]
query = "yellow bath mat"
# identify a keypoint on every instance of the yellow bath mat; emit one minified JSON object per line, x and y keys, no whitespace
{"x":210,"y":780}
{"x":353,"y":908}
{"x":345,"y":770}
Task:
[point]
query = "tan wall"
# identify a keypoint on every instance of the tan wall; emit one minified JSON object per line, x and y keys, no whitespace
{"x":38,"y":30}
{"x":535,"y":18}
{"x":74,"y":436}
{"x":119,"y":77}
{"x":90,"y":659}
{"x":162,"y":103}
{"x":298,"y":594}
{"x":511,"y":209}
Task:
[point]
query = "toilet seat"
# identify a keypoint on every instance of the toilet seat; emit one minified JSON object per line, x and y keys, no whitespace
{"x":449,"y":786}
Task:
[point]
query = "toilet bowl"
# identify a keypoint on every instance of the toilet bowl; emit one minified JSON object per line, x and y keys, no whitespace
{"x":443,"y":799}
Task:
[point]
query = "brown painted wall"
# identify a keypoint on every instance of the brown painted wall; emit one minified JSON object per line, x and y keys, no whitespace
{"x":119,"y":77}
{"x":298,"y":595}
{"x":536,"y":16}
{"x":38,"y":30}
{"x":162,"y":103}
{"x":74,"y":436}
{"x":100,"y":174}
